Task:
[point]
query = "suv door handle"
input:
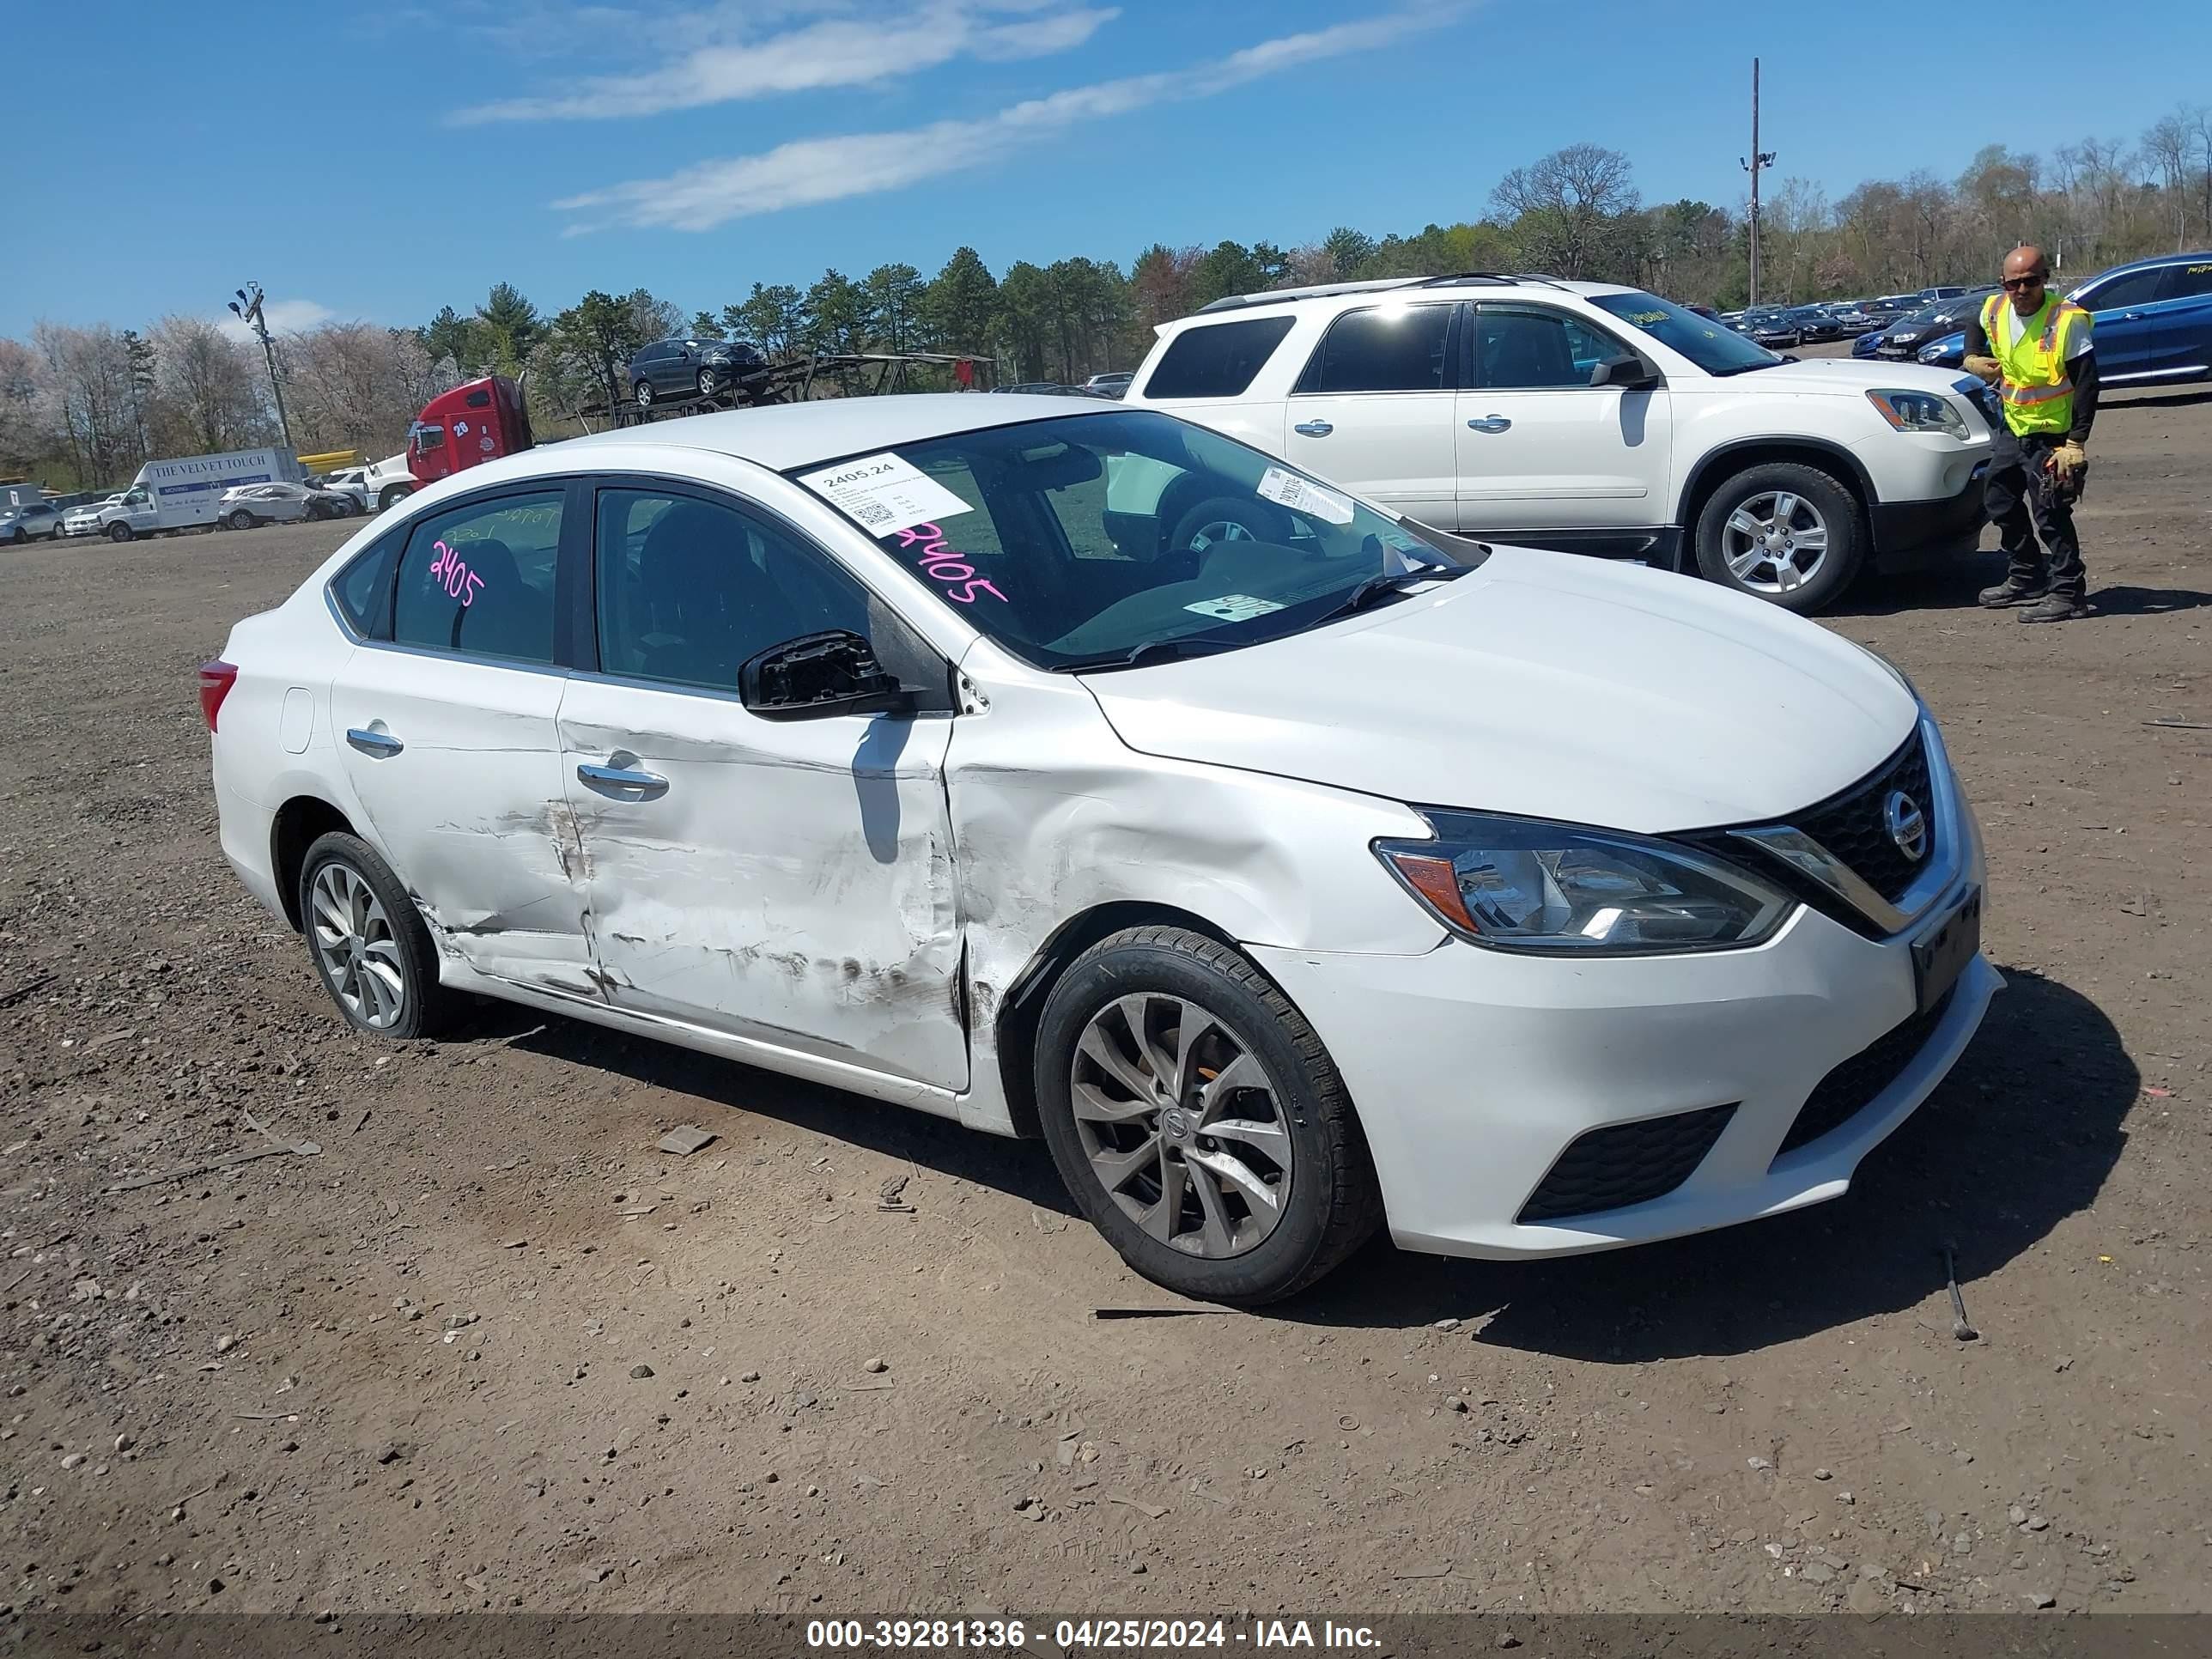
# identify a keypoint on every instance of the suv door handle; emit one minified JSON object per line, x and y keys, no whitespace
{"x":377,"y":745}
{"x":615,"y":779}
{"x":1313,"y":428}
{"x":1490,"y":424}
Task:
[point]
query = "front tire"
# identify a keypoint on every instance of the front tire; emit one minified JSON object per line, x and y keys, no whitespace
{"x":1227,"y":519}
{"x":368,"y":941}
{"x":1785,"y":533}
{"x":119,"y":533}
{"x":392,"y":496}
{"x":1198,"y":1121}
{"x":709,"y":383}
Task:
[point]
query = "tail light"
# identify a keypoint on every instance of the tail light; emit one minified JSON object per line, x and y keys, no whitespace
{"x":216,"y":680}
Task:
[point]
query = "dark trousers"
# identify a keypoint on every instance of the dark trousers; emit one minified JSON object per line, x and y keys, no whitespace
{"x":2018,"y":495}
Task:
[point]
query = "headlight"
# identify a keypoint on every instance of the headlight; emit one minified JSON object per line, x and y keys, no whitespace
{"x":1918,"y":411}
{"x":1523,"y":884}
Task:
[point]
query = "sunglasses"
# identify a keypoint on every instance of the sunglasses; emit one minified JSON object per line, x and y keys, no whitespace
{"x":2014,"y":284}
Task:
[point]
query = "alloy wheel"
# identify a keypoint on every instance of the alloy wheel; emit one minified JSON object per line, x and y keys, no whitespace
{"x":1224,"y":530}
{"x":1774,"y":542}
{"x":358,"y":950}
{"x":1182,"y":1125}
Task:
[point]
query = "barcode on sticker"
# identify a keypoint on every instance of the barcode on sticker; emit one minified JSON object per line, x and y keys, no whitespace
{"x":869,"y":513}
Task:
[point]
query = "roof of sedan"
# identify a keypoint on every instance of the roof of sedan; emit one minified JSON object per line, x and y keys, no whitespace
{"x":786,"y":435}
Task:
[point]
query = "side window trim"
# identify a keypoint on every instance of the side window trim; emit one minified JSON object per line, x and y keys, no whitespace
{"x":584,"y":613}
{"x":1455,"y":380}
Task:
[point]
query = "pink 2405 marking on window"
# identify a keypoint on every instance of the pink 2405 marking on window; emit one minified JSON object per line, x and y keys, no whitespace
{"x":461,"y":582}
{"x":940,"y":564}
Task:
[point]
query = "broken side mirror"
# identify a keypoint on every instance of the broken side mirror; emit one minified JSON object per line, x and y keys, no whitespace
{"x":818,"y":677}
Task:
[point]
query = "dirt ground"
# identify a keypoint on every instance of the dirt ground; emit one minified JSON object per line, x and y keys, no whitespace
{"x":487,"y":1349}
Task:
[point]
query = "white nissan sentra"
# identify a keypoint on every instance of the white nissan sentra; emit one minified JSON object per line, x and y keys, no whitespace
{"x":1080,"y":772}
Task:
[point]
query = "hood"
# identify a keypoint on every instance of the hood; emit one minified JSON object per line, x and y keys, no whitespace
{"x":1542,"y":684}
{"x":1844,"y":376}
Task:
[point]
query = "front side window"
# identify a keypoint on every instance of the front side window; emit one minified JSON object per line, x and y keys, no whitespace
{"x":1083,"y":542}
{"x":690,"y":589}
{"x":1530,"y":348}
{"x":1712,"y":345}
{"x":1387,"y":348}
{"x":478,"y":579}
{"x":1216,"y":359}
{"x":428,"y":438}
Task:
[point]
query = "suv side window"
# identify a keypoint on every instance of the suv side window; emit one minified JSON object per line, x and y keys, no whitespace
{"x":1527,"y":347}
{"x":1216,"y":359}
{"x":690,"y":589}
{"x":478,"y":578}
{"x":2187,"y":281}
{"x":2137,"y":288}
{"x":1383,"y":349}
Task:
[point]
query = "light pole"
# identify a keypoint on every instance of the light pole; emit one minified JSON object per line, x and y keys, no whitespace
{"x":1759,"y":159}
{"x":246,"y":307}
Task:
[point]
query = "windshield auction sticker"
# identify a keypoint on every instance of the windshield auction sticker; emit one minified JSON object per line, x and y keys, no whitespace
{"x":884,"y":495}
{"x":1303,"y":495}
{"x":1234,"y":607}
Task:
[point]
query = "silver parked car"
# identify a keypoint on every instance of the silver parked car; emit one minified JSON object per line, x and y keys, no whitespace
{"x":30,"y":520}
{"x":244,"y":506}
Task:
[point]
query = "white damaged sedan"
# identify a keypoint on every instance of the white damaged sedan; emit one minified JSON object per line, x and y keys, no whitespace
{"x":1076,"y":771}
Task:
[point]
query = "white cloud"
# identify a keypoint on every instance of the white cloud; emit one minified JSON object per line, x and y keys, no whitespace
{"x":720,"y":66}
{"x":282,"y":316}
{"x":811,"y":170}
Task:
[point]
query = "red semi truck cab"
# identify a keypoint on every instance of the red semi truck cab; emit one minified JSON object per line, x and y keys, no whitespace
{"x":477,"y":421}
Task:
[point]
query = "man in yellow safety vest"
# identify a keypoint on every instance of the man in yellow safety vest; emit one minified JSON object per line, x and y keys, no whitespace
{"x":2035,"y":347}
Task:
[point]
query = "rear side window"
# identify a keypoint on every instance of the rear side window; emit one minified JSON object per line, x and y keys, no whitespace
{"x":362,"y":591}
{"x":1388,"y":348}
{"x":2187,"y":281}
{"x":1216,"y":359}
{"x":478,"y":579}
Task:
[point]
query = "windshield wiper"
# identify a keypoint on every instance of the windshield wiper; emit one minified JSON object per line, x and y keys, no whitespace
{"x":1746,"y":369}
{"x":1381,"y":587}
{"x":1151,"y":651}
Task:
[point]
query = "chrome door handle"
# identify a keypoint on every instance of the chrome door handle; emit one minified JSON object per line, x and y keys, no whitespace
{"x":1313,"y":428}
{"x":1490,"y":424}
{"x":378,"y":746}
{"x":612,"y":779}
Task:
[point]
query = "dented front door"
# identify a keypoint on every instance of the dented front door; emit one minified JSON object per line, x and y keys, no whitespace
{"x":792,"y":883}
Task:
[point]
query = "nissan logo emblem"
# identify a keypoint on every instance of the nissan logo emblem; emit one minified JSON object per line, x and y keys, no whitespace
{"x":1908,"y":827}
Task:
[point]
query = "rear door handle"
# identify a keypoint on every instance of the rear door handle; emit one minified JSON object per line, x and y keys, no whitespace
{"x":378,"y":746}
{"x":1313,"y":428}
{"x":619,"y":780}
{"x":1490,"y":424}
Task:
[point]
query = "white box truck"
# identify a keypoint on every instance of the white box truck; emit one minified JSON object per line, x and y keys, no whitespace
{"x":181,"y":494}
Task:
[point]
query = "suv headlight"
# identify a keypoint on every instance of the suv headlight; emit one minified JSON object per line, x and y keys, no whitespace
{"x":1918,"y":411}
{"x":1557,"y":890}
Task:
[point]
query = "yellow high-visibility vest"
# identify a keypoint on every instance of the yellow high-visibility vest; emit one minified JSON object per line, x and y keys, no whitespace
{"x":2037,"y":392}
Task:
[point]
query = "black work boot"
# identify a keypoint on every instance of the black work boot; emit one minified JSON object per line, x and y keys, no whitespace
{"x":2056,"y":607}
{"x":2010,"y":591}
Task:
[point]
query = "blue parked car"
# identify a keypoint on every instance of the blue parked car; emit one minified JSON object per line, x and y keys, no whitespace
{"x":1949,"y":352}
{"x":1869,"y":343}
{"x":2153,"y":319}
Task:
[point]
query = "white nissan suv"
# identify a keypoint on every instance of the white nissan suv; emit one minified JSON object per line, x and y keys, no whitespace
{"x":1589,"y":419}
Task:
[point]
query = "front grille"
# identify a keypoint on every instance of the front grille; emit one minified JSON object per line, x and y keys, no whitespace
{"x":1852,"y":826}
{"x":1626,"y":1163}
{"x":1853,"y":1084}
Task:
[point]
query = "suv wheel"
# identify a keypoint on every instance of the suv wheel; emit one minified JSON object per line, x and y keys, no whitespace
{"x":1224,"y":519}
{"x":370,"y":948}
{"x":1783,"y":531}
{"x":241,"y":519}
{"x":1197,"y":1121}
{"x":643,"y":392}
{"x":709,"y":383}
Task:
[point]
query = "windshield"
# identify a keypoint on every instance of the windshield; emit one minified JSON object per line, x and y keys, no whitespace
{"x":1080,"y":543}
{"x":1712,"y":345}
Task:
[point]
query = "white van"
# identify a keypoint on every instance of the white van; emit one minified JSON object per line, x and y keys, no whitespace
{"x":181,"y":494}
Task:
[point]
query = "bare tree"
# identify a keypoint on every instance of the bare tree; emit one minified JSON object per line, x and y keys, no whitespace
{"x":1568,"y":206}
{"x":2167,"y":146}
{"x":207,"y":394}
{"x":356,"y":385}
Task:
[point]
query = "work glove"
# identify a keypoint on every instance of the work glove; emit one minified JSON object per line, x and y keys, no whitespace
{"x":2068,"y":460}
{"x":1987,"y":367}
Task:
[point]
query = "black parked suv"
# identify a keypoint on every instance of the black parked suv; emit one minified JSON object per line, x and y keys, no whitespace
{"x":692,"y":369}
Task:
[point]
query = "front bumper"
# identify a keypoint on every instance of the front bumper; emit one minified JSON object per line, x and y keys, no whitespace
{"x":1908,"y":534}
{"x":1476,"y":1070}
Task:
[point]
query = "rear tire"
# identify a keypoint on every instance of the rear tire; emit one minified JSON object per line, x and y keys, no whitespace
{"x":643,"y":393}
{"x":241,"y":519}
{"x":1725,"y":553}
{"x":1286,"y":1126}
{"x":368,"y":943}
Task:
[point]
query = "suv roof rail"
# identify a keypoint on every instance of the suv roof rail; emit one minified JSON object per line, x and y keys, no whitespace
{"x":1319,"y":290}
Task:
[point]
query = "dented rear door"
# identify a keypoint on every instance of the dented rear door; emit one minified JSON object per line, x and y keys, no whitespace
{"x":792,"y":882}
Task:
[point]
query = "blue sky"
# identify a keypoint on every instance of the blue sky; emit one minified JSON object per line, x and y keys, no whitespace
{"x":379,"y":161}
